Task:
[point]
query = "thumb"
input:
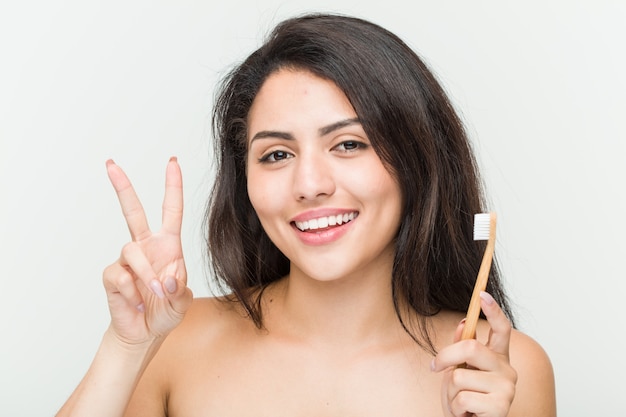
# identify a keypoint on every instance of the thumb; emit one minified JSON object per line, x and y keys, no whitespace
{"x":178,"y":294}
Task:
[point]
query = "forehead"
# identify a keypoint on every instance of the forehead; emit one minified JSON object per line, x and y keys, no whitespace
{"x":290,"y":98}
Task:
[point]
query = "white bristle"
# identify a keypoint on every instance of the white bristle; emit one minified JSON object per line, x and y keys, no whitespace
{"x":482,"y":222}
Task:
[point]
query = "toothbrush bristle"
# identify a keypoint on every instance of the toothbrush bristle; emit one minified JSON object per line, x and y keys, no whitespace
{"x":482,"y":223}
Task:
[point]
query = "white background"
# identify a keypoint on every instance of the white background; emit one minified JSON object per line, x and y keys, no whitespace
{"x":540,"y":85}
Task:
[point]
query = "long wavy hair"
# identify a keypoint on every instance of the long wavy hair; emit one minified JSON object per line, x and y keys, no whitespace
{"x":415,"y":131}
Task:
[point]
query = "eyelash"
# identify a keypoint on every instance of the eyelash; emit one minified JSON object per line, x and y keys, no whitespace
{"x":357,"y":145}
{"x":270,"y":158}
{"x":280,"y":155}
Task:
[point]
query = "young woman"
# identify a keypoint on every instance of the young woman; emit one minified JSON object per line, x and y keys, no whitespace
{"x":340,"y":226}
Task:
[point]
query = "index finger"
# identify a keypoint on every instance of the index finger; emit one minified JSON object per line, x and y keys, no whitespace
{"x":131,"y":206}
{"x":173,"y":201}
{"x":500,"y":333}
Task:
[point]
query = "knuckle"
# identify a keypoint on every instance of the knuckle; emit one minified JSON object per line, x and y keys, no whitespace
{"x":509,"y":391}
{"x":128,"y":249}
{"x":116,"y":277}
{"x":111,"y":271}
{"x":171,"y":209}
{"x":456,"y":378}
{"x":506,"y":325}
{"x":473,"y":347}
{"x":502,"y":325}
{"x":462,"y":400}
{"x":108,"y":271}
{"x":125,"y":279}
{"x":502,"y":406}
{"x":132,"y":212}
{"x":513,"y":376}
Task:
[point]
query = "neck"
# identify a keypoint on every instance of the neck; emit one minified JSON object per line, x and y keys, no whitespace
{"x":350,"y":311}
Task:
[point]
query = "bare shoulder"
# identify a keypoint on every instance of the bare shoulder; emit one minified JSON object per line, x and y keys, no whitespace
{"x":529,"y":359}
{"x":535,"y":390}
{"x":207,"y":321}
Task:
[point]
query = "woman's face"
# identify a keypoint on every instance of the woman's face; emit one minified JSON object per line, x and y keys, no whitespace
{"x":320,"y":191}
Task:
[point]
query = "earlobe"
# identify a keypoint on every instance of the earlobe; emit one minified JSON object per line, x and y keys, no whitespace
{"x":459,"y":330}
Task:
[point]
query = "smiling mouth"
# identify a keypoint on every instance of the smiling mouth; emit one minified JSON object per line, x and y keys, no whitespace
{"x":326,"y":222}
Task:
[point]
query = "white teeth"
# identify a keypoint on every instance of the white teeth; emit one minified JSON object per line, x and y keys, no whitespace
{"x":324,"y":222}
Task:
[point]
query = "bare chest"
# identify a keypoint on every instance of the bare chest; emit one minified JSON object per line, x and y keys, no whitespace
{"x":269,"y":379}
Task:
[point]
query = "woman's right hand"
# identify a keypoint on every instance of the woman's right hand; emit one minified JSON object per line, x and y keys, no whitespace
{"x":147,"y":286}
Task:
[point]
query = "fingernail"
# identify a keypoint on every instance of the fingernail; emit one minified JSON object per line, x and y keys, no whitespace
{"x":174,"y":159}
{"x":170,"y":284}
{"x":432,"y":365}
{"x":155,"y":285}
{"x":141,"y":307}
{"x":487,"y":298}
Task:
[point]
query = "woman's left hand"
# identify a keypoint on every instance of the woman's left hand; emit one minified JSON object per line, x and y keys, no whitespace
{"x":486,"y":386}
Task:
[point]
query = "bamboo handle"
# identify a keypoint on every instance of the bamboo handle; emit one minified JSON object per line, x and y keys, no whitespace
{"x":473,"y":312}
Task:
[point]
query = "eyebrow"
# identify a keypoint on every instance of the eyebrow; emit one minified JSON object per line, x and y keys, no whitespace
{"x":338,"y":125}
{"x":322,"y":131}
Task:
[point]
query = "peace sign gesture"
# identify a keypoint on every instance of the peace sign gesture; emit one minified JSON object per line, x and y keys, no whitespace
{"x":147,"y":286}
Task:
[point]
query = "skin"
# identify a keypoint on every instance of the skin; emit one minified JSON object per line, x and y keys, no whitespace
{"x":332,"y":345}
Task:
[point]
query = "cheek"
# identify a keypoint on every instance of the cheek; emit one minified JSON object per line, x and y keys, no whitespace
{"x":268,"y":204}
{"x":384,"y":194}
{"x":377,"y":183}
{"x":264,"y":195}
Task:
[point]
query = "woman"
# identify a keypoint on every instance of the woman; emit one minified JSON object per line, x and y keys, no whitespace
{"x":340,"y":225}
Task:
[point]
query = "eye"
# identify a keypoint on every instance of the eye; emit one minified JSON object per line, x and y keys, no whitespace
{"x":350,"y":146}
{"x":275,"y":156}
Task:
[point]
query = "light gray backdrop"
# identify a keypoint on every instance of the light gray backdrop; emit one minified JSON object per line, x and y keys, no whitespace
{"x":540,"y":85}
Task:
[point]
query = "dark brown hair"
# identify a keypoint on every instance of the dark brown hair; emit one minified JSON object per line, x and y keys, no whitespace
{"x":414,"y":130}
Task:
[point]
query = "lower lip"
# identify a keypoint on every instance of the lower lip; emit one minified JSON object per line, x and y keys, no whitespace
{"x":325,"y":236}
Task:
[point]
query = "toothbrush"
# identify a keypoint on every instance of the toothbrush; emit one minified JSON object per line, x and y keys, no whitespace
{"x":484,"y":229}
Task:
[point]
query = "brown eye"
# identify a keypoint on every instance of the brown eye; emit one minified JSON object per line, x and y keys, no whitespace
{"x":275,"y":156}
{"x":350,"y":146}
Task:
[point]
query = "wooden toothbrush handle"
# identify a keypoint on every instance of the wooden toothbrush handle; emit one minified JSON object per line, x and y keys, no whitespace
{"x":473,"y":312}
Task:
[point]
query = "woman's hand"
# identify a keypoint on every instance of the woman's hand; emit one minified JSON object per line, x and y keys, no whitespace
{"x":147,"y":286}
{"x":486,"y":386}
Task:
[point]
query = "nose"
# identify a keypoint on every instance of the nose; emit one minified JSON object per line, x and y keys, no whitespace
{"x":313,"y":178}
